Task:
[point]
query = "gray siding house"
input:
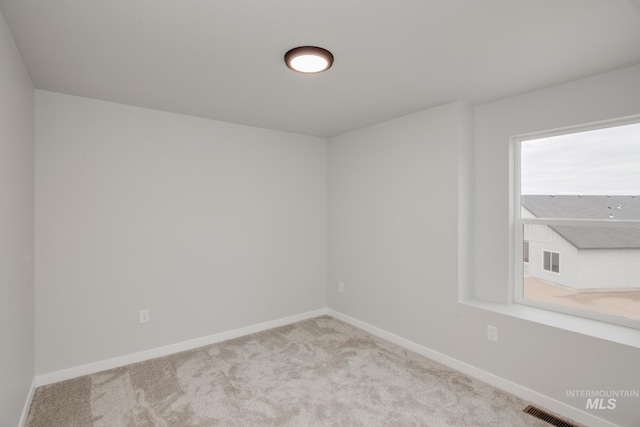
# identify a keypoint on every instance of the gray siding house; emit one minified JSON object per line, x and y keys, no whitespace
{"x":582,"y":257}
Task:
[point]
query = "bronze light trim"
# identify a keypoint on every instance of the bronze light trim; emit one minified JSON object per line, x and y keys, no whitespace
{"x":308,"y":59}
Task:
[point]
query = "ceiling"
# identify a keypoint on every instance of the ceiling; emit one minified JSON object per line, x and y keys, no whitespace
{"x":223,"y":59}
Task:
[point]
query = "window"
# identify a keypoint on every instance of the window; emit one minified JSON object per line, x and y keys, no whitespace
{"x":577,"y":193}
{"x":551,"y":261}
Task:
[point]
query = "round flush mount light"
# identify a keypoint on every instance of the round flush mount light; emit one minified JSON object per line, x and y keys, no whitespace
{"x":308,"y":59}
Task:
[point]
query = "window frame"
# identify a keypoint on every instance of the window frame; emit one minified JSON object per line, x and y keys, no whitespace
{"x":517,"y":225}
{"x":551,"y":253}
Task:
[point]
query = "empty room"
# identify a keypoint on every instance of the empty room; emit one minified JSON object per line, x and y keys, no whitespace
{"x":291,"y":213}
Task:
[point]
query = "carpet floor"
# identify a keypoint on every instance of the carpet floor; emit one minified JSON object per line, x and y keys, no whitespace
{"x":318,"y":372}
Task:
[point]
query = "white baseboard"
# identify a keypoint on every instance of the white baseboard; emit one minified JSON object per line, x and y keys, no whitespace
{"x":536,"y":398}
{"x":539,"y":399}
{"x":27,"y":404}
{"x":92,"y":368}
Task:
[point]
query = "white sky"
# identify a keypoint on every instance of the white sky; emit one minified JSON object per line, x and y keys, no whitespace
{"x":598,"y":162}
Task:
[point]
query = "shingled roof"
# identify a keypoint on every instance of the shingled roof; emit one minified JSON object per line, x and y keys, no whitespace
{"x":590,"y":207}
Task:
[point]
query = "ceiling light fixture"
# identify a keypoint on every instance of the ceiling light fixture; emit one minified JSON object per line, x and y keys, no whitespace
{"x":308,"y":59}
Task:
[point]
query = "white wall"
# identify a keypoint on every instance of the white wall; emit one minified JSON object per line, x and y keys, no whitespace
{"x":211,"y":226}
{"x":396,"y":232}
{"x":16,"y":230}
{"x":609,"y":268}
{"x":393,"y":222}
{"x":568,"y":360}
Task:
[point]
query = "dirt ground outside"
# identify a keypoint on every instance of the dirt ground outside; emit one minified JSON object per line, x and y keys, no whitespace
{"x":621,"y":303}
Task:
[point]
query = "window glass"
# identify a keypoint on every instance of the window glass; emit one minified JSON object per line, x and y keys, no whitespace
{"x":547,"y":261}
{"x":579,"y":204}
{"x":555,"y":262}
{"x":551,"y":261}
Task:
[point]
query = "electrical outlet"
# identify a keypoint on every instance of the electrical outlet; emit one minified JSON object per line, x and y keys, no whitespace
{"x":144,"y":315}
{"x":341,"y":287}
{"x":492,"y":333}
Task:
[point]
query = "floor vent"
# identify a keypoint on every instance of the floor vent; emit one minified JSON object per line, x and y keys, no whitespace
{"x":545,"y":416}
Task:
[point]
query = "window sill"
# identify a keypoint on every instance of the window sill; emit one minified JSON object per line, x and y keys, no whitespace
{"x":593,"y":328}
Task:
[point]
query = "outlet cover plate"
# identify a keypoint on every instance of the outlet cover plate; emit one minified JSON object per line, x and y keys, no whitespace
{"x":492,"y":333}
{"x":144,"y":315}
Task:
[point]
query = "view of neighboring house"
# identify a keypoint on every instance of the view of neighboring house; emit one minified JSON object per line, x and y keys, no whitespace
{"x":582,"y":257}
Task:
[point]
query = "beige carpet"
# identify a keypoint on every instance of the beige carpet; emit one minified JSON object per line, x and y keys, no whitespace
{"x":319,"y":372}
